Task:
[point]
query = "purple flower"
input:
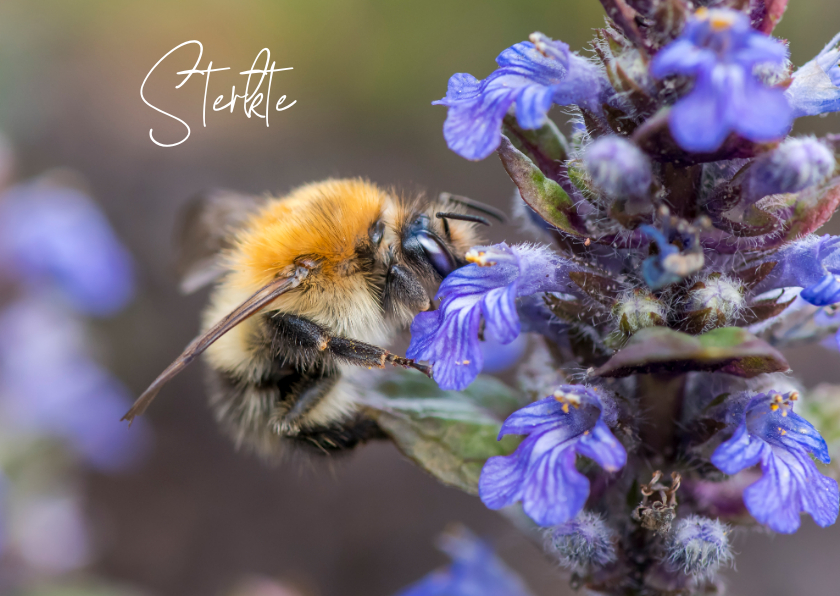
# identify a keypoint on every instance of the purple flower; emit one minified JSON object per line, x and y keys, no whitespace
{"x":50,"y":386}
{"x":810,"y":263}
{"x":816,"y":86}
{"x":770,"y":434}
{"x":720,"y":50}
{"x":56,"y":236}
{"x":541,"y":472}
{"x":534,"y":74}
{"x":488,"y":288}
{"x":475,"y":571}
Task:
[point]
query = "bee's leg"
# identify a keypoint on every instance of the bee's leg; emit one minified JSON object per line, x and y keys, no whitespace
{"x":340,"y":436}
{"x":313,"y":386}
{"x":298,"y":339}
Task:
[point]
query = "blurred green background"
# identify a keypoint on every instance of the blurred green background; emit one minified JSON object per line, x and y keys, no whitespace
{"x":197,"y":516}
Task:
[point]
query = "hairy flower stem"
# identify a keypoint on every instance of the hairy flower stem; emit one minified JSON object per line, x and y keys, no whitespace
{"x":682,"y":184}
{"x":660,"y":398}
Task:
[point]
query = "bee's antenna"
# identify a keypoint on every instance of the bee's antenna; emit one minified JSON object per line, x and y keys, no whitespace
{"x":264,"y":296}
{"x":463,"y":217}
{"x":472,"y":204}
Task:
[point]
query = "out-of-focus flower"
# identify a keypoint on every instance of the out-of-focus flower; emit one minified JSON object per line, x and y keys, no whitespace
{"x":51,"y":535}
{"x":475,"y":571}
{"x":811,"y":263}
{"x":533,"y":74}
{"x":720,"y":50}
{"x":698,"y":546}
{"x":541,"y":472}
{"x":797,"y":164}
{"x":816,"y":86}
{"x":770,"y":434}
{"x":582,"y":544}
{"x":618,"y":168}
{"x":49,"y":385}
{"x":56,"y":237}
{"x":486,"y":289}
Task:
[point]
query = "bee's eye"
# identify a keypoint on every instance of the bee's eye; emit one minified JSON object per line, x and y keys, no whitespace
{"x":437,"y":253}
{"x":377,"y":230}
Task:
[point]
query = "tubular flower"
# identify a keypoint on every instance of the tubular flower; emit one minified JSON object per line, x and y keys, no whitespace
{"x":486,"y":289}
{"x":781,"y":442}
{"x":812,"y":264}
{"x":720,"y":50}
{"x":533,"y":74}
{"x":541,"y":472}
{"x":474,"y":570}
{"x":816,"y":86}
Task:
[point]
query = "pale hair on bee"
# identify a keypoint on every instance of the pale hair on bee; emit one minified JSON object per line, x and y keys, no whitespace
{"x":308,"y":287}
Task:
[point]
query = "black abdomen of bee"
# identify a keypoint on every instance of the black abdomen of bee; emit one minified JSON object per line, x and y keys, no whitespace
{"x":272,"y":415}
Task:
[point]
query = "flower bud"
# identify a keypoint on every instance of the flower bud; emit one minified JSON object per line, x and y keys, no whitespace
{"x":638,"y":309}
{"x":582,"y":544}
{"x":618,"y":168}
{"x":716,"y":301}
{"x":797,"y":164}
{"x":699,"y":546}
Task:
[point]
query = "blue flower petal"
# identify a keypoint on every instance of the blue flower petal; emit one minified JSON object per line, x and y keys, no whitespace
{"x":782,"y":442}
{"x":474,"y":571}
{"x":555,"y":491}
{"x":529,"y":78}
{"x":601,"y":446}
{"x":815,"y":88}
{"x":503,"y":476}
{"x":720,"y":50}
{"x":542,"y":472}
{"x":698,"y":121}
{"x":488,"y":288}
{"x":738,"y":453}
{"x":810,"y":263}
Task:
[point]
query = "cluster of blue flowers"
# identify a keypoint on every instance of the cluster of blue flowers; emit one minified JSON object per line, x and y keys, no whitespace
{"x":60,"y":263}
{"x":684,"y":221}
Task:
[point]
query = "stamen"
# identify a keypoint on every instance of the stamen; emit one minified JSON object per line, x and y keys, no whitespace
{"x":479,"y":258}
{"x":567,"y":399}
{"x":720,"y":22}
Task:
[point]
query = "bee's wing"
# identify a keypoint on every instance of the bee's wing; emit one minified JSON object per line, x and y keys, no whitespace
{"x":207,"y":225}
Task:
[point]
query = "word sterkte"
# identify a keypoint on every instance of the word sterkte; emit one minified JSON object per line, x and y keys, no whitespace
{"x":251,"y":99}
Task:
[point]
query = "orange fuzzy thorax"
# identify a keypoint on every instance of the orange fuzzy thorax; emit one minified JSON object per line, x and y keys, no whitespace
{"x":322,"y":221}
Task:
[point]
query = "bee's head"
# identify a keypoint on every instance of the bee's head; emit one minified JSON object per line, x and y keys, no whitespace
{"x":430,"y":244}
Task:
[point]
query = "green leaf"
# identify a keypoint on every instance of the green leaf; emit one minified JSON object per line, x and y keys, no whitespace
{"x":541,"y":193}
{"x":546,"y":146}
{"x":449,"y":434}
{"x":730,"y":350}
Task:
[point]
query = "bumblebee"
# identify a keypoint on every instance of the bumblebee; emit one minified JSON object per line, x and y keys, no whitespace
{"x":307,"y":289}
